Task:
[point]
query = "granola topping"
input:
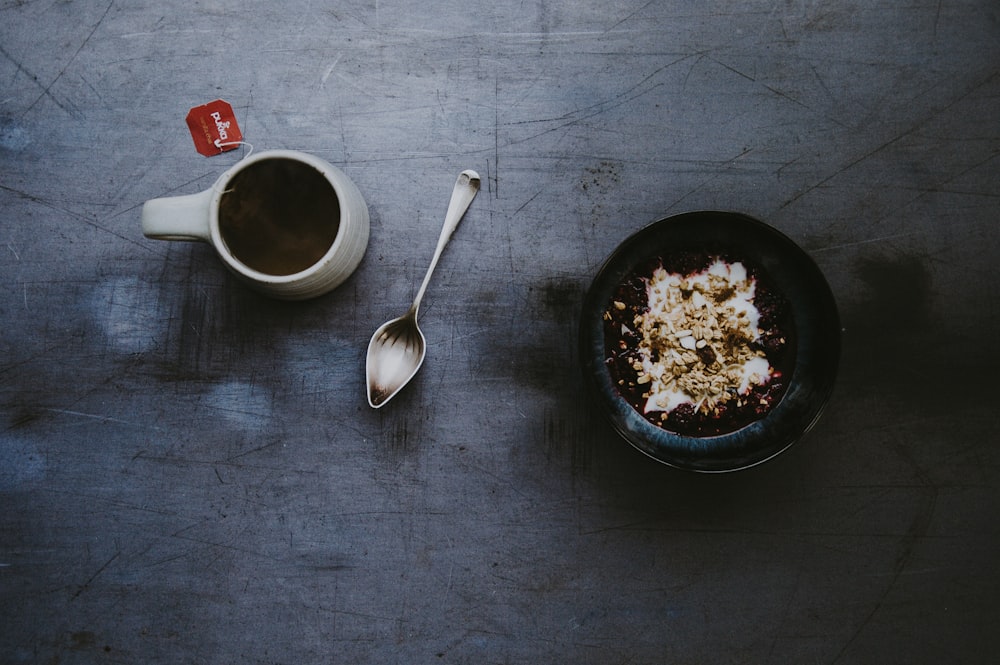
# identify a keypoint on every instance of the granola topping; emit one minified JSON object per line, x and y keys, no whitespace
{"x":697,"y":338}
{"x":701,"y":348}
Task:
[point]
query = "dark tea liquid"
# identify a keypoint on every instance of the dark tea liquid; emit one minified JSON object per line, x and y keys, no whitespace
{"x":279,"y":216}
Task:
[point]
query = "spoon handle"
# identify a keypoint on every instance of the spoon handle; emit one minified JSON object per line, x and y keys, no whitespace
{"x":465,"y":190}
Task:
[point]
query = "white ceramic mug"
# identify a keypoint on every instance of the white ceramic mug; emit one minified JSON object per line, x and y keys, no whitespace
{"x":287,"y":223}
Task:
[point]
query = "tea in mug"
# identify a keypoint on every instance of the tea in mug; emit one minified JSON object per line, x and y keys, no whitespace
{"x":279,"y":216}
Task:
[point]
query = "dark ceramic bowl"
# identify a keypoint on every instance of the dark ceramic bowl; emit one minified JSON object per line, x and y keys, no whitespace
{"x":817,"y":330}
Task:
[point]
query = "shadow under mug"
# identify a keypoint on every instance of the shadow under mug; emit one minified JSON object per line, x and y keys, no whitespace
{"x":287,"y":223}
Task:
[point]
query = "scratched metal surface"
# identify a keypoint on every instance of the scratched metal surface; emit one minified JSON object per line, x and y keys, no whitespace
{"x":189,"y":473}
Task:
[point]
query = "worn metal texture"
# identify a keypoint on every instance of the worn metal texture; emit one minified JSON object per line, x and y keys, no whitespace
{"x":190,"y":473}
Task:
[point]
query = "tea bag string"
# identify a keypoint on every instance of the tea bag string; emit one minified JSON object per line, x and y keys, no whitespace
{"x":220,"y":144}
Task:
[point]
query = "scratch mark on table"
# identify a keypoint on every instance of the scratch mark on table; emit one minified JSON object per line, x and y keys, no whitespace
{"x":630,"y":16}
{"x":868,"y":241}
{"x":918,"y":528}
{"x":780,"y":93}
{"x":847,"y":167}
{"x":232,"y":458}
{"x":185,"y":462}
{"x":525,"y":204}
{"x":941,"y":187}
{"x":752,"y":79}
{"x":329,"y":71}
{"x":72,"y":213}
{"x":86,"y":585}
{"x":160,"y":33}
{"x":220,"y":546}
{"x":712,"y":177}
{"x":94,"y":416}
{"x":47,"y":90}
{"x":578,"y":115}
{"x":496,"y":137}
{"x":896,"y":139}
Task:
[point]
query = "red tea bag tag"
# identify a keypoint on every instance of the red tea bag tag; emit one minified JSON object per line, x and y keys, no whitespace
{"x":214,"y":128}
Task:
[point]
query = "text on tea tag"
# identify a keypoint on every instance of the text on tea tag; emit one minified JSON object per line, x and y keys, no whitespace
{"x":214,"y":128}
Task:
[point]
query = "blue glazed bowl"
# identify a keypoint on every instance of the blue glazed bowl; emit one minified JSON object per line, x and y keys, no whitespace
{"x":817,"y":331}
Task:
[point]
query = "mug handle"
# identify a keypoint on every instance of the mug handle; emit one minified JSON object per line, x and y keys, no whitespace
{"x":178,"y":217}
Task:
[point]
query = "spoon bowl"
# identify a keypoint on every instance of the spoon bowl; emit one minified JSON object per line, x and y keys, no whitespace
{"x":397,"y":348}
{"x":396,"y":352}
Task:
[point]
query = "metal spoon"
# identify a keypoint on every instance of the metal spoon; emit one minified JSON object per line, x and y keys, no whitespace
{"x":397,"y":348}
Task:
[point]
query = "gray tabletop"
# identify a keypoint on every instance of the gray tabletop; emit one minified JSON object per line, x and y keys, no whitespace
{"x":190,"y":471}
